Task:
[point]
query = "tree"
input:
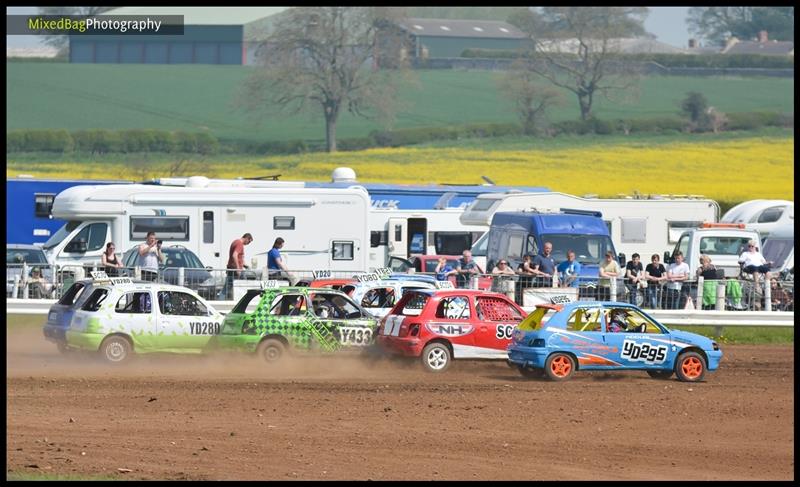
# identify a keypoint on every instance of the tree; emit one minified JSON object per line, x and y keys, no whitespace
{"x":701,"y":116}
{"x":575,"y":48}
{"x":326,"y":58}
{"x":531,"y":99}
{"x":60,"y":42}
{"x":717,"y":24}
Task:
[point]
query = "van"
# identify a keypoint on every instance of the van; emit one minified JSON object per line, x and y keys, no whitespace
{"x":723,"y":242}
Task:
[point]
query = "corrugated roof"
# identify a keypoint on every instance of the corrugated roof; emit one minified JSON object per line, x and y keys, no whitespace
{"x":769,"y":48}
{"x":205,"y":15}
{"x":493,"y":29}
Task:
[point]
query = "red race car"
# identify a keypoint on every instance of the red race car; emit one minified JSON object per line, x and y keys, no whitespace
{"x":442,"y":325}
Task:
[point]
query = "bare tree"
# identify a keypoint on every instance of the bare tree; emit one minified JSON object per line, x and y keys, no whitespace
{"x":326,"y":58}
{"x":576,"y":48}
{"x":716,"y":24}
{"x":531,"y":98}
{"x":60,"y":41}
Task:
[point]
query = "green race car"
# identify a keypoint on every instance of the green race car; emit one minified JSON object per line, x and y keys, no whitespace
{"x":272,"y":321}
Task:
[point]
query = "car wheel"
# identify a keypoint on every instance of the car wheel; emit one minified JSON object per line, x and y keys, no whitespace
{"x":116,"y":349}
{"x":63,"y":348}
{"x":559,"y":366}
{"x":690,"y":367}
{"x":529,"y":373}
{"x":436,"y":357}
{"x":660,"y":374}
{"x":271,"y":350}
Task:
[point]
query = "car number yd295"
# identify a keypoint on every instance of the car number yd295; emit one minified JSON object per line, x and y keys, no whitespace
{"x":644,"y":352}
{"x":355,"y":336}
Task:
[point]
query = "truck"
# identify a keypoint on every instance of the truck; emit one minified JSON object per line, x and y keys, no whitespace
{"x":324,"y":228}
{"x":637,"y":224}
{"x":723,"y":242}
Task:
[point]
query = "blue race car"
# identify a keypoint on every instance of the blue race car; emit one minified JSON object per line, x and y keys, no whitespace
{"x":60,"y":315}
{"x":558,"y":339}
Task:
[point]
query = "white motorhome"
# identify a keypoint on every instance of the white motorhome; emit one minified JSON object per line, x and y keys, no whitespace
{"x":402,"y":233}
{"x":324,"y":228}
{"x":764,"y":216}
{"x":643,"y":225}
{"x":779,"y":248}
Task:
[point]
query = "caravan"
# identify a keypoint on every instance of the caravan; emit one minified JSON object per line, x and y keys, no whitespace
{"x":324,"y":228}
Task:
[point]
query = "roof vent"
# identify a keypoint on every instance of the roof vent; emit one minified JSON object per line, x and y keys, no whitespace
{"x":197,"y":182}
{"x":343,"y":175}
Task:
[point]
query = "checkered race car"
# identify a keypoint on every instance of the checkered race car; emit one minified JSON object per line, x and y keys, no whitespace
{"x":274,"y":320}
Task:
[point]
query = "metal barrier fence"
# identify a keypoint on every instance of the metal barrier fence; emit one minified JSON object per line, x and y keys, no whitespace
{"x":23,"y":282}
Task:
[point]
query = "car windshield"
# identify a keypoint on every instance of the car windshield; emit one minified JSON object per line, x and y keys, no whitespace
{"x":61,"y":234}
{"x":181,"y":258}
{"x":20,"y":256}
{"x":589,"y":249}
{"x":723,"y":245}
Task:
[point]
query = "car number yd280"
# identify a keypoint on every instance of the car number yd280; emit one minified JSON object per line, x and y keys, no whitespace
{"x":355,"y":336}
{"x":203,"y":328}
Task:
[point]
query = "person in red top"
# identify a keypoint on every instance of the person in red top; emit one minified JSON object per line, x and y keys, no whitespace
{"x":235,"y":262}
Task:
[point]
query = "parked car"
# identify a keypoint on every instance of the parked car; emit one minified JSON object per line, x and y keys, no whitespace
{"x":427,"y":264}
{"x":196,"y":276}
{"x":17,"y":255}
{"x":272,"y":322}
{"x":558,"y":339}
{"x":441,"y":325}
{"x":121,"y":317}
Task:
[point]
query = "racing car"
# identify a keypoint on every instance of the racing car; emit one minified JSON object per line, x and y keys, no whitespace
{"x":274,"y":320}
{"x":379,"y":296}
{"x":119,"y":317}
{"x":60,"y":314}
{"x":558,"y":339}
{"x":445,"y":324}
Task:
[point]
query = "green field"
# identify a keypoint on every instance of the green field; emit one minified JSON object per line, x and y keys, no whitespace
{"x":197,"y":98}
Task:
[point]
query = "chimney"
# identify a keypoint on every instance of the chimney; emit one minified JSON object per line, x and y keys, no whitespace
{"x":762,"y":36}
{"x":692,"y":43}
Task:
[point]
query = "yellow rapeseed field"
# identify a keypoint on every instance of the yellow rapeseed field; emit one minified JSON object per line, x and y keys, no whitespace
{"x":733,"y":170}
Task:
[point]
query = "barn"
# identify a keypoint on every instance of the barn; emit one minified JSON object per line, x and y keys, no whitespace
{"x":445,"y":38}
{"x":212,"y":35}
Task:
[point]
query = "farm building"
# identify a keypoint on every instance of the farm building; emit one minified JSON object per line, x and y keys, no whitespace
{"x":212,"y":35}
{"x":444,"y":38}
{"x":762,"y":45}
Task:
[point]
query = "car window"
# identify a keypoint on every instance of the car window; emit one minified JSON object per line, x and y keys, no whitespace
{"x":413,"y":303}
{"x":19,"y":256}
{"x":637,"y":319}
{"x":248,"y":303}
{"x":181,"y":304}
{"x":137,"y":302}
{"x":288,"y":305}
{"x":379,"y":297}
{"x":95,"y":300}
{"x":583,"y":319}
{"x":327,"y":305}
{"x":73,"y":293}
{"x":496,"y":309}
{"x":454,"y":308}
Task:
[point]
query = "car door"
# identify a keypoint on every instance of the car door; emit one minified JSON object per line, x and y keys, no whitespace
{"x":496,"y":320}
{"x":340,"y":315}
{"x":648,"y":349}
{"x":134,"y":315}
{"x":185,"y":323}
{"x":453,"y":320}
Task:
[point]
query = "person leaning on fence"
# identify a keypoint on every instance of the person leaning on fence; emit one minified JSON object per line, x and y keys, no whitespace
{"x":634,"y":277}
{"x":708,"y":272}
{"x":677,"y":274}
{"x":466,"y":269}
{"x":235,"y":263}
{"x":149,"y":257}
{"x":525,"y":280}
{"x":656,"y":275}
{"x":544,"y":267}
{"x":275,"y":266}
{"x":503,"y":276}
{"x":569,"y":271}
{"x":109,"y":260}
{"x":443,"y":269}
{"x":609,"y":269}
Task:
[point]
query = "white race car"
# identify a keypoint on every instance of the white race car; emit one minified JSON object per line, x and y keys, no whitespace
{"x":379,"y":296}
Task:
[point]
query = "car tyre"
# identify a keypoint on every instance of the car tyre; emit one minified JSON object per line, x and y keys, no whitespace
{"x":116,"y":349}
{"x":63,"y":349}
{"x":271,"y":350}
{"x":436,"y":357}
{"x":529,"y":373}
{"x":690,"y":367}
{"x":660,"y":374}
{"x":559,"y":366}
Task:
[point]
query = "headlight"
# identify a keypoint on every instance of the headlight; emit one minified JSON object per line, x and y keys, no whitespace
{"x":715,"y":346}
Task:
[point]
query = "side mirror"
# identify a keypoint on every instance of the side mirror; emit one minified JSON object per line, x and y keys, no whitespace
{"x":621,"y":259}
{"x":667,"y":258}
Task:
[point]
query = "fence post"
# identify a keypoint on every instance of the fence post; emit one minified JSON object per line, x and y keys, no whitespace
{"x":137,"y":272}
{"x":181,"y":276}
{"x":24,"y":278}
{"x":720,"y":305}
{"x":700,"y":282}
{"x":15,"y":289}
{"x":613,"y":288}
{"x":767,"y":295}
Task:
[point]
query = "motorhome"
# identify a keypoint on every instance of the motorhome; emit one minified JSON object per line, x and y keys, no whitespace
{"x":778,"y":248}
{"x":723,"y":242}
{"x":324,"y":228}
{"x":642,"y":225}
{"x":764,"y":216}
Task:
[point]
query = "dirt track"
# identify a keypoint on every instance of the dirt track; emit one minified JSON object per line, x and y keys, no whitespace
{"x":341,"y":418}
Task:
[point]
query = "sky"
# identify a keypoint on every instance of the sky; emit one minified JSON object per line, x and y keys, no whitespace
{"x":667,"y":23}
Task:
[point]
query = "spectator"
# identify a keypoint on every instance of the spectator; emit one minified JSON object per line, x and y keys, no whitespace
{"x":781,"y":300}
{"x":677,"y":273}
{"x":235,"y":263}
{"x":609,"y":269}
{"x":569,"y":271}
{"x":753,"y":262}
{"x":656,"y":275}
{"x":634,"y":275}
{"x":525,"y":272}
{"x":275,"y":265}
{"x":150,"y":257}
{"x":109,"y":260}
{"x":503,"y":277}
{"x":38,"y":287}
{"x":707,"y":270}
{"x":502,"y":269}
{"x":466,"y":269}
{"x":544,"y":267}
{"x":443,"y":269}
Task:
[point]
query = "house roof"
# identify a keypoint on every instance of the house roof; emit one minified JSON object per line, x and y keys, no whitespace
{"x":205,"y":15}
{"x":773,"y":48}
{"x":486,"y":29}
{"x":621,"y":45}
